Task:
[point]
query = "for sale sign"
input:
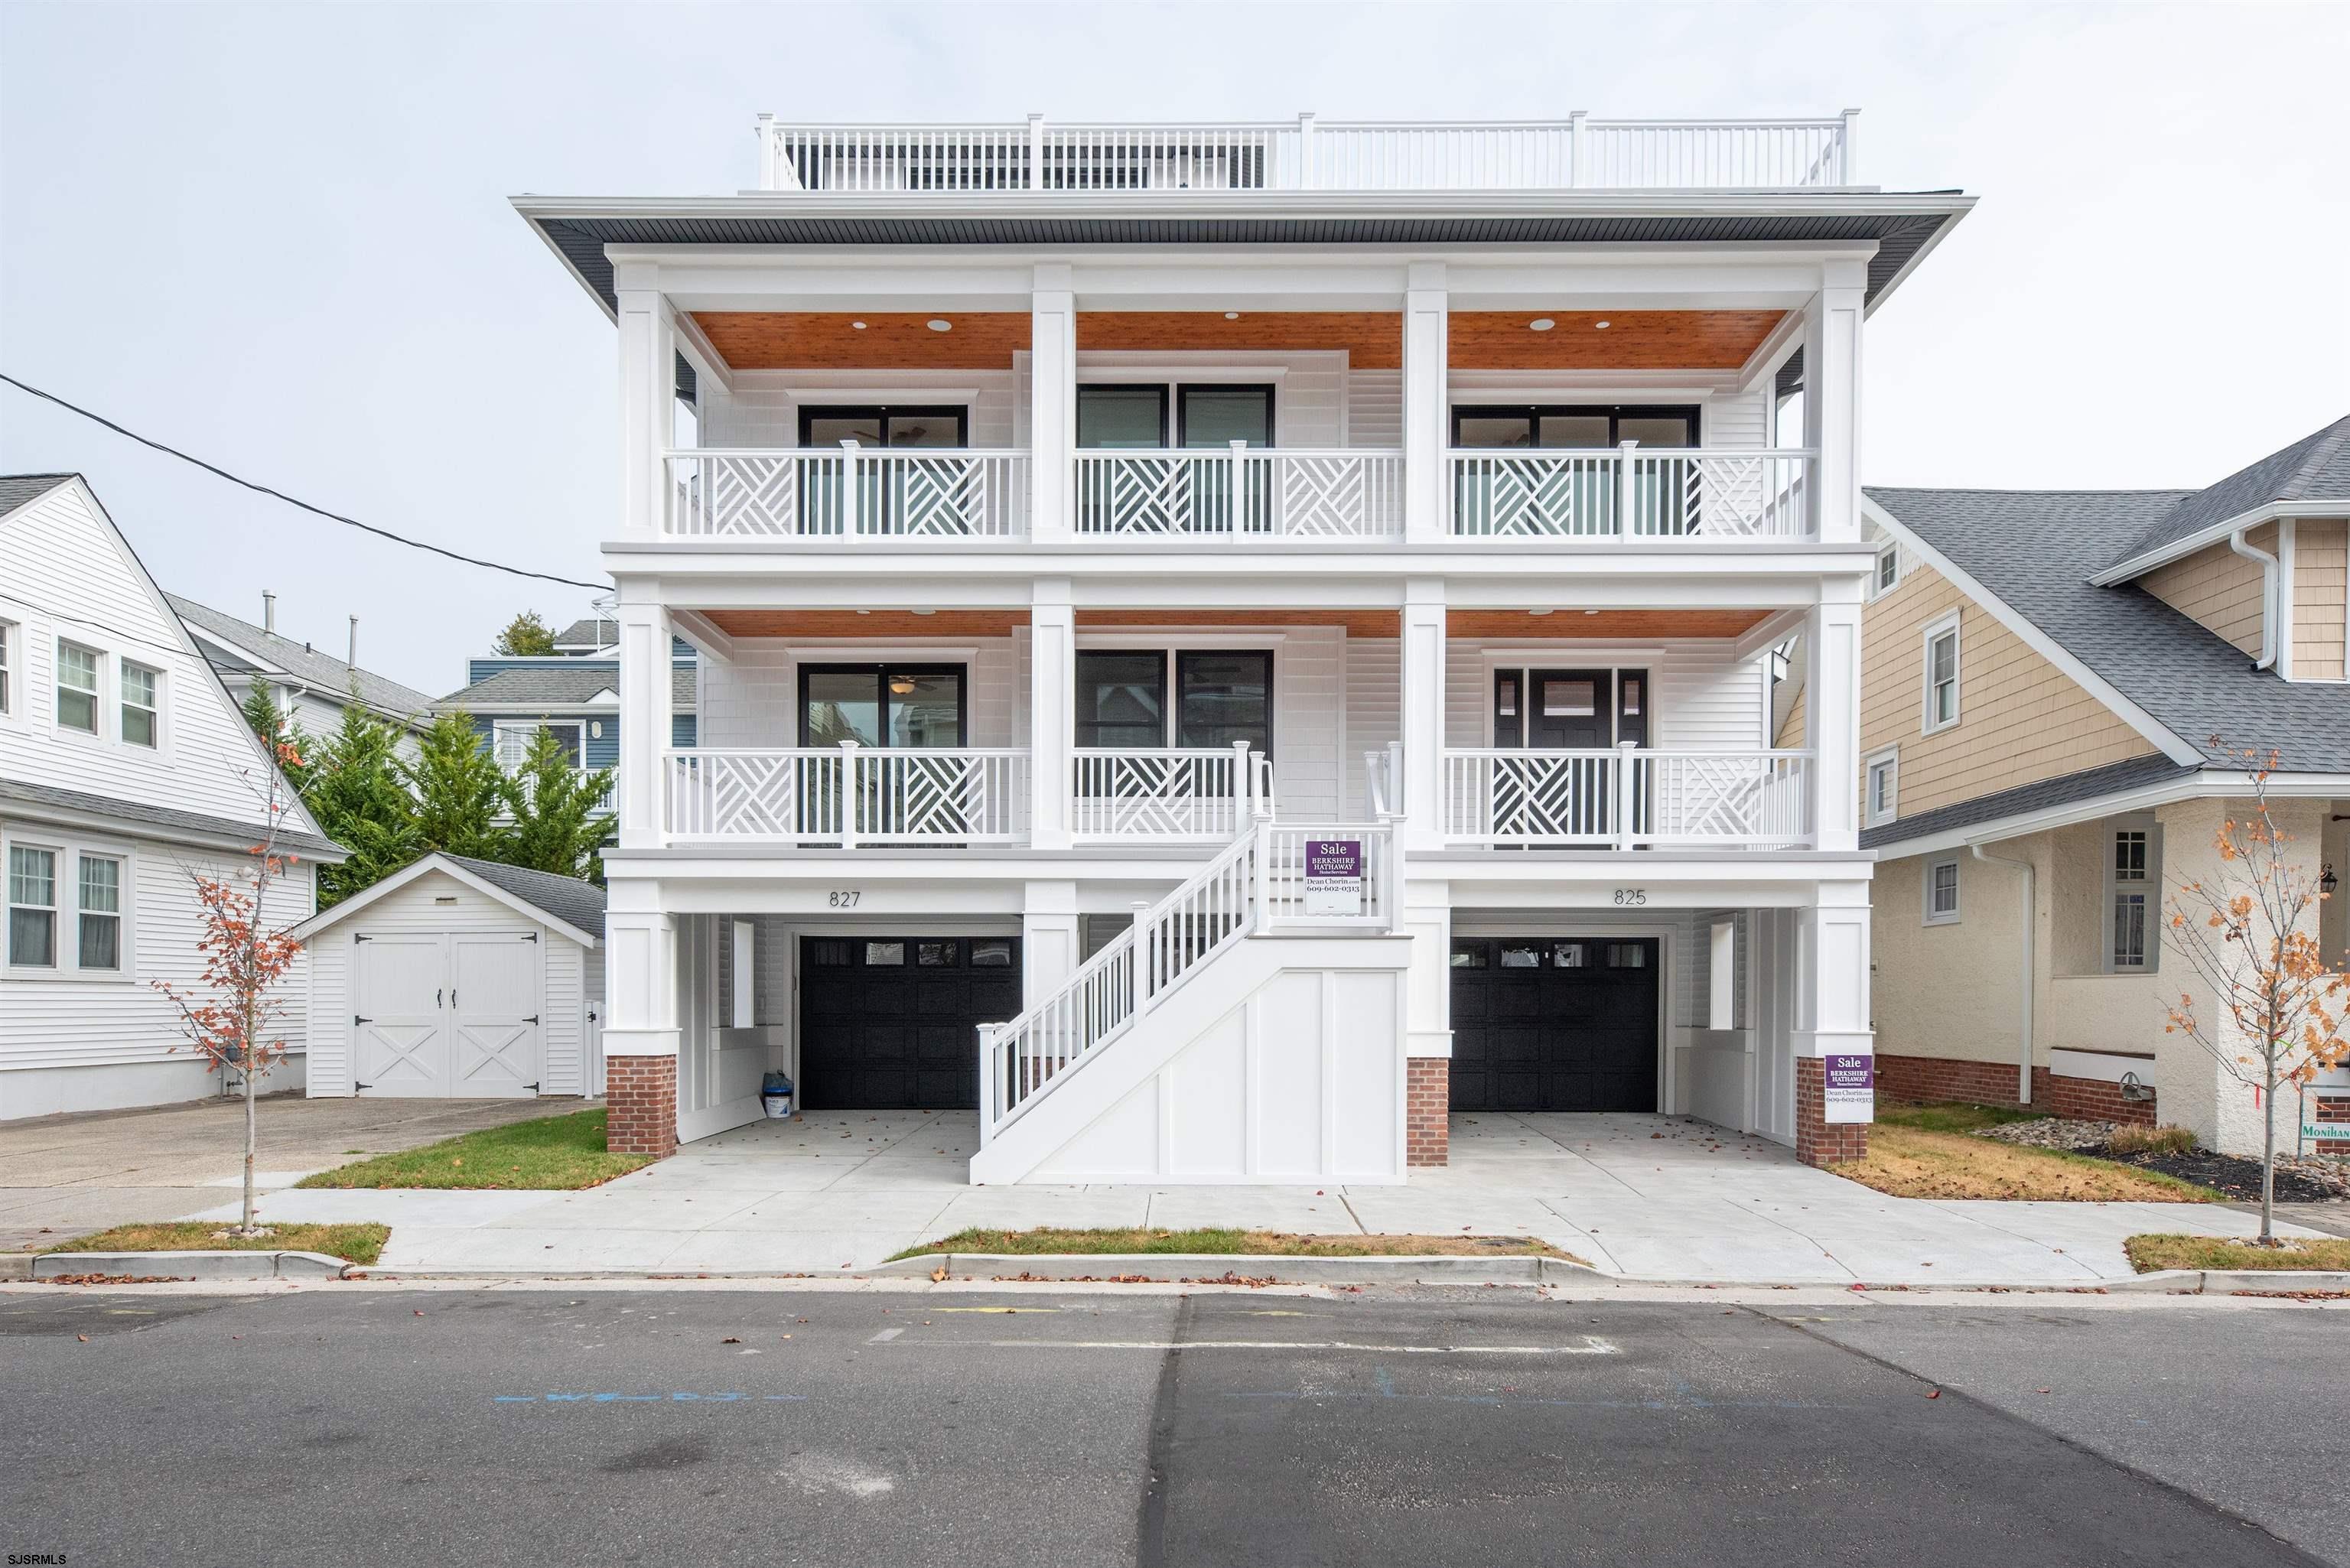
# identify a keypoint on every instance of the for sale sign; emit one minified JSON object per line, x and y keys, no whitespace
{"x":1850,"y":1083}
{"x":1334,"y":877}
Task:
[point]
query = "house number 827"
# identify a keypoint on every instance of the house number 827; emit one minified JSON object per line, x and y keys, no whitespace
{"x":1632,"y":898}
{"x":846,"y":898}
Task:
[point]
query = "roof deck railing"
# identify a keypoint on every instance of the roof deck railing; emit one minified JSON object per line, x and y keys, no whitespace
{"x":1311,"y":154}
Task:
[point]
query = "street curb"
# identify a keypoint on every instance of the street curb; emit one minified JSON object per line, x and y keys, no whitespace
{"x":2223,"y":1282}
{"x":15,"y":1265}
{"x":223,"y":1265}
{"x":1176,"y":1268}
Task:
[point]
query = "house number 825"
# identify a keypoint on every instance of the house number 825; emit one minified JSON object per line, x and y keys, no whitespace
{"x":1632,"y":898}
{"x":846,"y":898}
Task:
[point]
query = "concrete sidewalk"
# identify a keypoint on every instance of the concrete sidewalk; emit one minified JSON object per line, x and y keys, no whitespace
{"x":1647,"y":1198}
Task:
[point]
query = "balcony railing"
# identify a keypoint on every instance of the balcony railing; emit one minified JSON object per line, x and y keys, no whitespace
{"x":850,"y":492}
{"x":1627,"y":798}
{"x":1310,"y":154}
{"x":1630,"y":493}
{"x":849,"y":796}
{"x":1204,"y":795}
{"x":1242,"y":491}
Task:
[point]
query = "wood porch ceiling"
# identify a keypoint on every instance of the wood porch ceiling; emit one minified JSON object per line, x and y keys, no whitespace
{"x":1372,"y":340}
{"x":814,"y":626}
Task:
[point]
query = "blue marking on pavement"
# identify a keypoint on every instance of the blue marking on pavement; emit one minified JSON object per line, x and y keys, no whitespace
{"x":1385,"y":1381}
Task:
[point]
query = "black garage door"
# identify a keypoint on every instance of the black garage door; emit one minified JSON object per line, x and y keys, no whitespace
{"x":1555,"y":1024}
{"x":892,"y":1022}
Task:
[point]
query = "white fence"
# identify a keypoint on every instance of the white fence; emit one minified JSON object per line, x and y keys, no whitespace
{"x":1255,"y":886}
{"x":1308,"y":154}
{"x":1630,"y":493}
{"x":849,"y":796}
{"x":850,"y":492}
{"x":1628,"y":797}
{"x":1242,"y":492}
{"x":1174,"y":796}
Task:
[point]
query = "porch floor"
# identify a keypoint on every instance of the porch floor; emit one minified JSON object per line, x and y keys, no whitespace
{"x":1647,"y":1197}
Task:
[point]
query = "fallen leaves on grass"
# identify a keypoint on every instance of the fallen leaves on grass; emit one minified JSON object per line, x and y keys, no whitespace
{"x":2147,"y":1254}
{"x":1910,"y":1162}
{"x":357,"y":1243}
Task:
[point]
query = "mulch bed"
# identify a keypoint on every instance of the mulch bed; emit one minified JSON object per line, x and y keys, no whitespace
{"x":2231,"y":1174}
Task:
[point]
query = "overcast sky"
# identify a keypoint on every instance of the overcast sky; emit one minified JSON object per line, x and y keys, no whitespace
{"x":278,"y":236}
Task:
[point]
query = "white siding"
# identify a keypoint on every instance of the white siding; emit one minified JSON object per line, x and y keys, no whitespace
{"x":1375,"y":409}
{"x":1374,"y":712}
{"x":1740,"y":420}
{"x":763,"y":411}
{"x":1309,"y":713}
{"x":64,"y":572}
{"x":412,"y":909}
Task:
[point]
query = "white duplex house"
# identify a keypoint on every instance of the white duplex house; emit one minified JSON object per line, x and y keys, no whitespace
{"x":1223,"y":645}
{"x":126,"y":771}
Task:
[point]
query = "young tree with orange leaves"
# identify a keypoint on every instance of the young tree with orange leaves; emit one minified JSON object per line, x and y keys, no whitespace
{"x":232,"y":1016}
{"x":2273,"y":1018}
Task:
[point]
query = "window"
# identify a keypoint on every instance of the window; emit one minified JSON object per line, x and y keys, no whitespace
{"x":1566,"y":955}
{"x":1220,"y":697}
{"x":1121,"y":417}
{"x":512,"y":738}
{"x":1942,"y":674}
{"x":76,"y":689}
{"x":894,"y":706}
{"x":1469,"y":955}
{"x":1627,"y":955}
{"x":2132,"y":868}
{"x":1881,"y":796}
{"x":1121,"y":700}
{"x":991,"y":954}
{"x":1888,"y":571}
{"x":141,"y":698}
{"x":942,"y":426}
{"x":8,"y":641}
{"x":1587,"y":429}
{"x":32,"y":908}
{"x":885,"y":955}
{"x":101,"y":912}
{"x":1942,"y":891}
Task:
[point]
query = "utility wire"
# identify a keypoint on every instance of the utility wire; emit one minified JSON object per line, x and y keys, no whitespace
{"x":290,"y":501}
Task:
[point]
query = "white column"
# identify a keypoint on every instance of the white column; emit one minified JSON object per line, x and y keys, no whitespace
{"x":1052,"y":401}
{"x":648,"y":340}
{"x":1832,"y":1014}
{"x":1051,"y":690}
{"x":1048,"y":939}
{"x":640,"y":1016}
{"x":1832,"y":395}
{"x":1423,"y":713}
{"x":1428,"y":984}
{"x":1426,"y":417}
{"x":640,"y":780}
{"x":1832,"y":712}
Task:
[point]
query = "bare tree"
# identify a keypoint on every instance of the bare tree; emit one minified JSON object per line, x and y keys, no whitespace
{"x":2273,"y":1015}
{"x":232,"y":1017}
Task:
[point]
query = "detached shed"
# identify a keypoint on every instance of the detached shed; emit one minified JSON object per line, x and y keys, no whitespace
{"x":458,"y":979}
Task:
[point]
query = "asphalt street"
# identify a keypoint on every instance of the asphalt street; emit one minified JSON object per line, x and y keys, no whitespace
{"x":1436,"y":1427}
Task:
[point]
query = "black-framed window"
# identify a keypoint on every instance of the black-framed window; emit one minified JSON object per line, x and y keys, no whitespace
{"x":870,"y":424}
{"x":1221,"y":696}
{"x":1575,"y":426}
{"x":1122,"y":698}
{"x":1121,"y":417}
{"x":886,"y":706}
{"x":1207,"y":414}
{"x":1217,"y":414}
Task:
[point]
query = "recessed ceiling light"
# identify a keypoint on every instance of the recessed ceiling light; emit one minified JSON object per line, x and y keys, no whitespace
{"x":1602,"y":326}
{"x":1231,"y":315}
{"x":1591,"y":612}
{"x":926,"y":612}
{"x":858,"y":325}
{"x":1538,"y":612}
{"x":864,"y":612}
{"x":940,"y":324}
{"x":1542,"y":324}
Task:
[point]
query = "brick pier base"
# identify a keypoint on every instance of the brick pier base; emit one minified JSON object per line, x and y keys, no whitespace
{"x":1428,"y":1106}
{"x":1933,"y":1078}
{"x":1817,"y":1142}
{"x":641,"y":1095}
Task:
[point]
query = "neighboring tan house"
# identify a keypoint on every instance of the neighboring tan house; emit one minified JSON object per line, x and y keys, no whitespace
{"x":311,"y":688}
{"x":126,"y":771}
{"x":2057,"y":689}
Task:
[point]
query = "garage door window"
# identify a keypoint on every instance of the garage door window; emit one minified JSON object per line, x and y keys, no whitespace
{"x":1471,"y":956}
{"x":1566,"y":955}
{"x":1522,"y":957}
{"x":934,"y":955}
{"x":884,"y":955}
{"x":1627,"y":955}
{"x":826,"y":953}
{"x":990,"y":955}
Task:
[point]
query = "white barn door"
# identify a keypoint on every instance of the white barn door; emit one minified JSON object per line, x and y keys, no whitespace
{"x":402,"y":1045}
{"x":494,"y":1014}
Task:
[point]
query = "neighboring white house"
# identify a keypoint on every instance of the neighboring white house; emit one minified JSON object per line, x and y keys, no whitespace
{"x":458,"y":978}
{"x":1221,"y":644}
{"x":311,"y":688}
{"x":126,"y":771}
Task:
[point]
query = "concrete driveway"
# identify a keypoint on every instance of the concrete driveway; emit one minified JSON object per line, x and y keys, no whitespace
{"x":64,"y":1176}
{"x":1645,"y":1196}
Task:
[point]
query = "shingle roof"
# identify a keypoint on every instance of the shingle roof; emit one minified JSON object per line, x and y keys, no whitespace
{"x":579,"y":905}
{"x":159,"y":816}
{"x":323,"y":673}
{"x":2314,"y":467}
{"x":557,"y":685}
{"x":2115,"y":778}
{"x":589,"y":632}
{"x":2034,"y":550}
{"x":23,"y":488}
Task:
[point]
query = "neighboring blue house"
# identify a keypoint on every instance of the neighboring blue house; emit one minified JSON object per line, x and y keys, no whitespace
{"x":574,"y":692}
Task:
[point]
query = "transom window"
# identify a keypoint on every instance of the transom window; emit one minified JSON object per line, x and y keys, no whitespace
{"x":1941,"y":675}
{"x":142,"y":699}
{"x":32,"y":907}
{"x":76,"y":687}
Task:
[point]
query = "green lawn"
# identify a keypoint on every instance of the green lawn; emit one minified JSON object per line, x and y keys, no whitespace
{"x":549,"y":1154}
{"x":1951,"y":1118}
{"x":354,"y":1243}
{"x":1237,"y":1243}
{"x":2147,"y":1254}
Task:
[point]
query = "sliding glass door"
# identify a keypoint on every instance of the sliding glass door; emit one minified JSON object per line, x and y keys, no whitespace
{"x":902,"y":497}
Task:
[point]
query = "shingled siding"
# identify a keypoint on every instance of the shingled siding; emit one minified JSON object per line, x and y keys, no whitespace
{"x":2320,"y":597}
{"x":2020,"y":719}
{"x":2218,"y":588}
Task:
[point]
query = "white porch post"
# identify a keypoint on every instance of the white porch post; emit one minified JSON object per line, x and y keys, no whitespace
{"x":1832,"y":395}
{"x":1048,"y":939}
{"x":641,"y":1019}
{"x":1423,"y":713}
{"x":1832,"y":1014}
{"x":647,"y":338}
{"x":641,"y":781}
{"x":1426,"y":418}
{"x":1832,"y":720}
{"x":1428,"y":1004}
{"x":1052,"y":690}
{"x":1051,"y":402}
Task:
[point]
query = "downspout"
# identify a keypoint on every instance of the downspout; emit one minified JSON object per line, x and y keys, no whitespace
{"x":2269,"y":577}
{"x":2026,"y":958}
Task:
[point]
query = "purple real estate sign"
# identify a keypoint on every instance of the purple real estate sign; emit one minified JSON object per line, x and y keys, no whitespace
{"x":1334,"y":877}
{"x":1850,"y":1085}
